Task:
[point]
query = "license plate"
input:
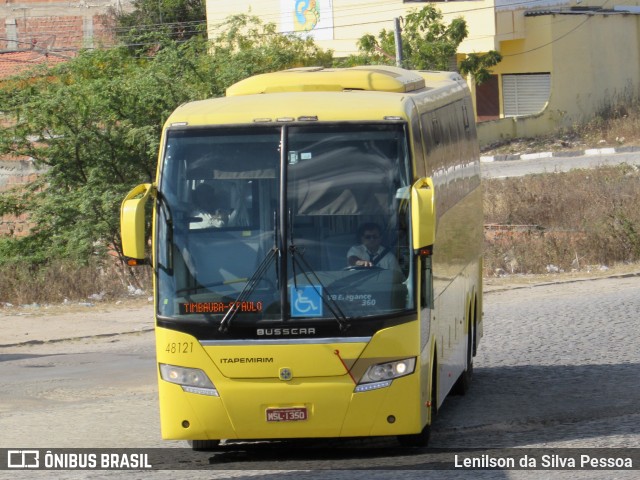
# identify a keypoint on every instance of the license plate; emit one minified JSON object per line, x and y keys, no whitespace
{"x":293,"y":414}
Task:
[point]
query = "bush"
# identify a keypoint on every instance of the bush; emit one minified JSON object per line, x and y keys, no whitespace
{"x":568,"y":220}
{"x":23,"y":283}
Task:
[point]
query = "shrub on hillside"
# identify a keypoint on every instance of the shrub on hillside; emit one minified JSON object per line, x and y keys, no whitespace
{"x":569,"y":220}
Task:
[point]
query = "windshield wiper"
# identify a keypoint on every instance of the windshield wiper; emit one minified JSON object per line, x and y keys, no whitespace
{"x":253,"y":281}
{"x":327,"y":299}
{"x":248,"y":289}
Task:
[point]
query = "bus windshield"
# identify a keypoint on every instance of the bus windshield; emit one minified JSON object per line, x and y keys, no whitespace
{"x":248,"y":235}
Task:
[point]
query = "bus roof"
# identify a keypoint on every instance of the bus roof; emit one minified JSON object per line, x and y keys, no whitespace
{"x":375,"y":93}
{"x":380,"y":78}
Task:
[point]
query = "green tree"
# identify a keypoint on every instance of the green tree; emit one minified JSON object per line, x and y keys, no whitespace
{"x":427,"y":44}
{"x":479,"y":65}
{"x":95,"y":123}
{"x":151,"y":21}
{"x":245,"y":46}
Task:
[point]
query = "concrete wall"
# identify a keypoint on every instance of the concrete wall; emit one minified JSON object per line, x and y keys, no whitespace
{"x":597,"y":66}
{"x":343,"y":22}
{"x":594,"y":62}
{"x":56,"y":25}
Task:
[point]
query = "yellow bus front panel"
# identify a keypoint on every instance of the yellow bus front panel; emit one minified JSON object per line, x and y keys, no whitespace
{"x":394,"y":410}
{"x":248,"y":406}
{"x":334,"y":410}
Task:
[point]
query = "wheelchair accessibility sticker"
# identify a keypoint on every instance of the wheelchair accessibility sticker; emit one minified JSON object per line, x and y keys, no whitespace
{"x":306,"y":301}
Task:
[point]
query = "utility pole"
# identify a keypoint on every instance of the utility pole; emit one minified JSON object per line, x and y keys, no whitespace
{"x":398,"y":39}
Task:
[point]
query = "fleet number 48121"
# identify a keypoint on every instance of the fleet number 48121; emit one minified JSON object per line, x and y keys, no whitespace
{"x":179,"y":347}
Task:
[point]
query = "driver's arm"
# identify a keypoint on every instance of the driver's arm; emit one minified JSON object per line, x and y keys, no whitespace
{"x":354,"y":261}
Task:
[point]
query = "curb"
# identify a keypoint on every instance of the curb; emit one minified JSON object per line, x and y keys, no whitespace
{"x":503,"y":288}
{"x":569,"y":153}
{"x":80,"y":337}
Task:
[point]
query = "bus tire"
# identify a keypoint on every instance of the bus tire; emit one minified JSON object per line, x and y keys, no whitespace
{"x":418,"y":440}
{"x":203,"y":445}
{"x":463,"y":383}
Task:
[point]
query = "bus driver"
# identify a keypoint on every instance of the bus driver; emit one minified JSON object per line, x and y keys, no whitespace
{"x":370,"y":252}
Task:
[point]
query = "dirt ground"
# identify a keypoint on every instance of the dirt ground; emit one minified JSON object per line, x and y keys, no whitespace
{"x":54,"y":323}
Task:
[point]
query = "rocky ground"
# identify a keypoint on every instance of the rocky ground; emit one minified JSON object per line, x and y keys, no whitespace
{"x":564,"y":142}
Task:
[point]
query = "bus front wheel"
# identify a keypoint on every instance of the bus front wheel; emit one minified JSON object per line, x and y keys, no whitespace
{"x":416,"y":440}
{"x":203,"y":445}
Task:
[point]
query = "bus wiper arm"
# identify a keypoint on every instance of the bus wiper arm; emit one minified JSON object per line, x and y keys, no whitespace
{"x":327,"y":299}
{"x":254,"y":280}
{"x":248,"y":289}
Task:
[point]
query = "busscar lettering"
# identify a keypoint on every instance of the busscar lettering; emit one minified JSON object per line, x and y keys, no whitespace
{"x":247,"y":360}
{"x":279,"y":332}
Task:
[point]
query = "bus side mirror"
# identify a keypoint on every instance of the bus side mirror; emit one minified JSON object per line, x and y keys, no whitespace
{"x":423,"y":213}
{"x":132,"y":223}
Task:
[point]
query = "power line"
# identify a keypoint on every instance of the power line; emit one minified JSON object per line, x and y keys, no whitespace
{"x":193,"y":27}
{"x":277,"y":16}
{"x":558,"y":38}
{"x":343,"y":12}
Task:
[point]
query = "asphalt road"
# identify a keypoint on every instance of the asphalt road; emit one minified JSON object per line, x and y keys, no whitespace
{"x":518,"y":168}
{"x":558,"y":368}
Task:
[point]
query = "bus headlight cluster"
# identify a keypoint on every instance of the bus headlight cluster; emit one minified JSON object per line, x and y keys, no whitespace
{"x":191,"y":380}
{"x":382,"y":374}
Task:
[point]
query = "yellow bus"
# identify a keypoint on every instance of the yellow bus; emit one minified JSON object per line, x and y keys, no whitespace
{"x":317,"y":239}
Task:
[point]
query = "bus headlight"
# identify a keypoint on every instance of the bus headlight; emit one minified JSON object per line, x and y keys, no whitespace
{"x":192,"y":380}
{"x":382,"y":374}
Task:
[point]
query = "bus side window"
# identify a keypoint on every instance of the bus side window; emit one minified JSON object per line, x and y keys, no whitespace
{"x":418,"y":149}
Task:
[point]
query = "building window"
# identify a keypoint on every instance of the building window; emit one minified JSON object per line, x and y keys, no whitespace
{"x":525,"y":94}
